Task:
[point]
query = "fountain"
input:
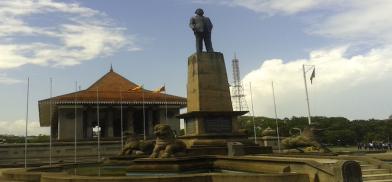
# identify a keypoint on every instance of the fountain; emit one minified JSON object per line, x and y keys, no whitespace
{"x":212,"y":150}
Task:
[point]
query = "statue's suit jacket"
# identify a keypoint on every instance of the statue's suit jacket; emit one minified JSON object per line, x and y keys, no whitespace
{"x":200,"y":24}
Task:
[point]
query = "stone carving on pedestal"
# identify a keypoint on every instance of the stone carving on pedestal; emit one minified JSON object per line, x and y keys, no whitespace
{"x":269,"y":138}
{"x":210,"y":121}
{"x":307,"y":141}
{"x":166,"y":145}
{"x":268,"y":132}
{"x":136,"y":147}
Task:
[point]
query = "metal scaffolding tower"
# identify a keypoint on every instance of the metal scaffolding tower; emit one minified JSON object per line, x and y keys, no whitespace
{"x":237,"y":91}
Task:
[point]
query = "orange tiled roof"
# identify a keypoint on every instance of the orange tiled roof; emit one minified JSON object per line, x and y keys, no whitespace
{"x":113,"y":88}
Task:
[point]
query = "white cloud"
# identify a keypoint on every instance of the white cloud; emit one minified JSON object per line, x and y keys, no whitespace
{"x":4,"y":79}
{"x":344,"y":86}
{"x":351,"y":81}
{"x":364,"y":21}
{"x":273,"y":6}
{"x":65,"y":35}
{"x":18,"y":128}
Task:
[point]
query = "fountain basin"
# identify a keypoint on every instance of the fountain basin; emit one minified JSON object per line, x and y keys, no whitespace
{"x":199,"y":169}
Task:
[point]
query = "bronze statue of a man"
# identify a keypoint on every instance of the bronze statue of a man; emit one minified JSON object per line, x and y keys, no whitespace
{"x":201,"y":26}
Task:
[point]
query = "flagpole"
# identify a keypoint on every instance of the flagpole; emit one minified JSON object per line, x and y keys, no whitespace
{"x":27,"y":119}
{"x":75,"y":125}
{"x":276,"y":115}
{"x":121,"y":118}
{"x":164,"y":86}
{"x":50,"y":121}
{"x":307,"y":95}
{"x":144,"y":118}
{"x":253,"y":112}
{"x":99,"y":129}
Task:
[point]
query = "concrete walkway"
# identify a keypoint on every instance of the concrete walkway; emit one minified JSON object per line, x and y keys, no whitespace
{"x":373,"y":173}
{"x":1,"y":175}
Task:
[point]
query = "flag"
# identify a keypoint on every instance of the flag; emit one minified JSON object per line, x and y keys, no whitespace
{"x":159,"y":90}
{"x":312,"y":75}
{"x":138,"y":88}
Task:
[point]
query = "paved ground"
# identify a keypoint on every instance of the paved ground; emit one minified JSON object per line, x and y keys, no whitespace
{"x":1,"y":178}
{"x":387,"y":156}
{"x":319,"y":160}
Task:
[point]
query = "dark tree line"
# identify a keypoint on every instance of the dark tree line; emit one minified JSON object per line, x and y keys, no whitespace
{"x":21,"y":139}
{"x":336,"y":130}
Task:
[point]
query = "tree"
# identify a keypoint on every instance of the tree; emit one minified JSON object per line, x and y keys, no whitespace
{"x":336,"y":130}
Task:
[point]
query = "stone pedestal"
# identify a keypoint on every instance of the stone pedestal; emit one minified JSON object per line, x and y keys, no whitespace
{"x":208,"y":88}
{"x":210,"y":111}
{"x":210,"y":120}
{"x":269,"y":138}
{"x":268,"y":141}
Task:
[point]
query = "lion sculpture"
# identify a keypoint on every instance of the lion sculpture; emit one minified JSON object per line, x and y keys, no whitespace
{"x":308,"y":140}
{"x":135,"y":147}
{"x":166,"y":145}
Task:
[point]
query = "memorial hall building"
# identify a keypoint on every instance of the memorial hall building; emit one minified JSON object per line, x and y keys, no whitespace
{"x":117,"y":102}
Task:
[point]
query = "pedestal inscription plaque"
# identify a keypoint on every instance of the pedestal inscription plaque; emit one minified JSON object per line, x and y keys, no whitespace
{"x":190,"y":126}
{"x":217,"y":125}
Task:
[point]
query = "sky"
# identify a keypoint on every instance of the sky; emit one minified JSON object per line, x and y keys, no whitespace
{"x":149,"y":41}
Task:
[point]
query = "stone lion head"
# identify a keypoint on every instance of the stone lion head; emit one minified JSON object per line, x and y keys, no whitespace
{"x":163,"y":131}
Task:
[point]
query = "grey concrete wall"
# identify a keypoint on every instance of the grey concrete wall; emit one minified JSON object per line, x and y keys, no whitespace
{"x":61,"y":151}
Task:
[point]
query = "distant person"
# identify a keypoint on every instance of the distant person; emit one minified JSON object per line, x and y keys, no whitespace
{"x":370,"y":146}
{"x":375,"y":145}
{"x":202,"y":27}
{"x":384,"y":146}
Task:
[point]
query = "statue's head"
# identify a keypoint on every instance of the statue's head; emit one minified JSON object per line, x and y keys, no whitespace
{"x":199,"y":11}
{"x":163,"y":131}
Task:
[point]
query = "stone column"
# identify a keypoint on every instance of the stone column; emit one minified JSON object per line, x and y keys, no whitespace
{"x":66,"y":124}
{"x":89,"y":123}
{"x":130,"y":120}
{"x":110,"y":123}
{"x":162,"y":116}
{"x":58,"y":126}
{"x":54,"y":127}
{"x":79,"y":124}
{"x":150,"y":126}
